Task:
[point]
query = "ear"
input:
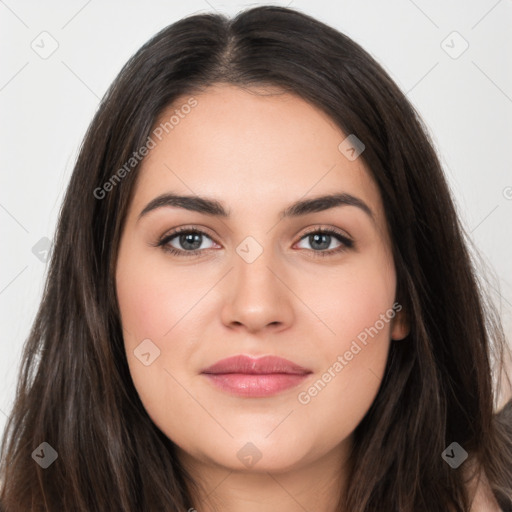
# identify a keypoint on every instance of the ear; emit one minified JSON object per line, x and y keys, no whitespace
{"x":400,"y":327}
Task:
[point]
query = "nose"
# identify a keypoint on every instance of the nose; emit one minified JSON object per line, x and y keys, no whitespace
{"x":257,"y":295}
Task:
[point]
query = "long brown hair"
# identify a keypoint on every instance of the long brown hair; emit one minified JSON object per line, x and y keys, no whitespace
{"x":75,"y":391}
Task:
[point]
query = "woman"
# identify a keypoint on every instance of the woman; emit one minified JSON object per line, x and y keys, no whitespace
{"x":262,"y":371}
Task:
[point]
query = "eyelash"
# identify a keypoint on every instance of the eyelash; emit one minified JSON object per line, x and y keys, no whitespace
{"x":346,"y":243}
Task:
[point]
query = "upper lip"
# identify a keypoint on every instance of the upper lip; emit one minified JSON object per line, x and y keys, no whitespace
{"x":260,"y":366}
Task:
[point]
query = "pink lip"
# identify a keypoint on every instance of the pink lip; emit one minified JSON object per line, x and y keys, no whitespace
{"x":245,"y":376}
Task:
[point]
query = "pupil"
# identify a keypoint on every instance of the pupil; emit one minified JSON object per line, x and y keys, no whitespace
{"x":193,"y":239}
{"x":316,"y":239}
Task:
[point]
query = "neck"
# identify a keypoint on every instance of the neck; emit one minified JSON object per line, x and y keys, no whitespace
{"x":317,"y":485}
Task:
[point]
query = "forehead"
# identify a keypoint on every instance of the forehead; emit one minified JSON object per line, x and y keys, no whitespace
{"x":251,"y":149}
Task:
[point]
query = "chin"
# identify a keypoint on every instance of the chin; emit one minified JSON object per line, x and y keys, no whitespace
{"x":252,"y":455}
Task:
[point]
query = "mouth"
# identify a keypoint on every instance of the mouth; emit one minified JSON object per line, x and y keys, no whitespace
{"x":245,"y":376}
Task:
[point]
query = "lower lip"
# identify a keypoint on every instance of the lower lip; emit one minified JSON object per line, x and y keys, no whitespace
{"x":255,"y":385}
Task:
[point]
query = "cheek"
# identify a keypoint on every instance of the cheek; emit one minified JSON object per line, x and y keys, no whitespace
{"x":357,"y":301}
{"x":153,"y":300}
{"x":153,"y":304}
{"x":358,"y":309}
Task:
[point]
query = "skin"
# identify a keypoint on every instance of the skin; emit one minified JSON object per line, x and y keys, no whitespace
{"x":257,"y":154}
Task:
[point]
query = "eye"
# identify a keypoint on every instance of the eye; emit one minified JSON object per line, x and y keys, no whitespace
{"x":321,"y":239}
{"x":186,"y":241}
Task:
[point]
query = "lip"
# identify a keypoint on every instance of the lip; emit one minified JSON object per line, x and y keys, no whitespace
{"x":246,"y":376}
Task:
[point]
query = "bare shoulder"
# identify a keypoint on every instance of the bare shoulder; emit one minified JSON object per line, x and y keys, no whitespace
{"x":481,"y":496}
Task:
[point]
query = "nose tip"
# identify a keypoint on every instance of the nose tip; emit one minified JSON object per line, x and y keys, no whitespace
{"x":256,"y":298}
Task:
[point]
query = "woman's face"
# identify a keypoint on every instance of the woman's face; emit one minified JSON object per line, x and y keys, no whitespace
{"x":258,"y":284}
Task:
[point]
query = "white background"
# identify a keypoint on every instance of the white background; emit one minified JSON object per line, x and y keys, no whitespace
{"x":47,"y":104}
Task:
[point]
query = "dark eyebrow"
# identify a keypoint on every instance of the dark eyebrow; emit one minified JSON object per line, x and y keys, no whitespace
{"x":215,"y":208}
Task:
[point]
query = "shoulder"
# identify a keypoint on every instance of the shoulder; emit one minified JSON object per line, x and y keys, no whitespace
{"x":481,"y":496}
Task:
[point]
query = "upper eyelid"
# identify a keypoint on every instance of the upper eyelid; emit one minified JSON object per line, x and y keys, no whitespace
{"x":338,"y":231}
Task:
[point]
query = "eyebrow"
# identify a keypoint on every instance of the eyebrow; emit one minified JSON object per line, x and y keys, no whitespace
{"x":214,"y":208}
